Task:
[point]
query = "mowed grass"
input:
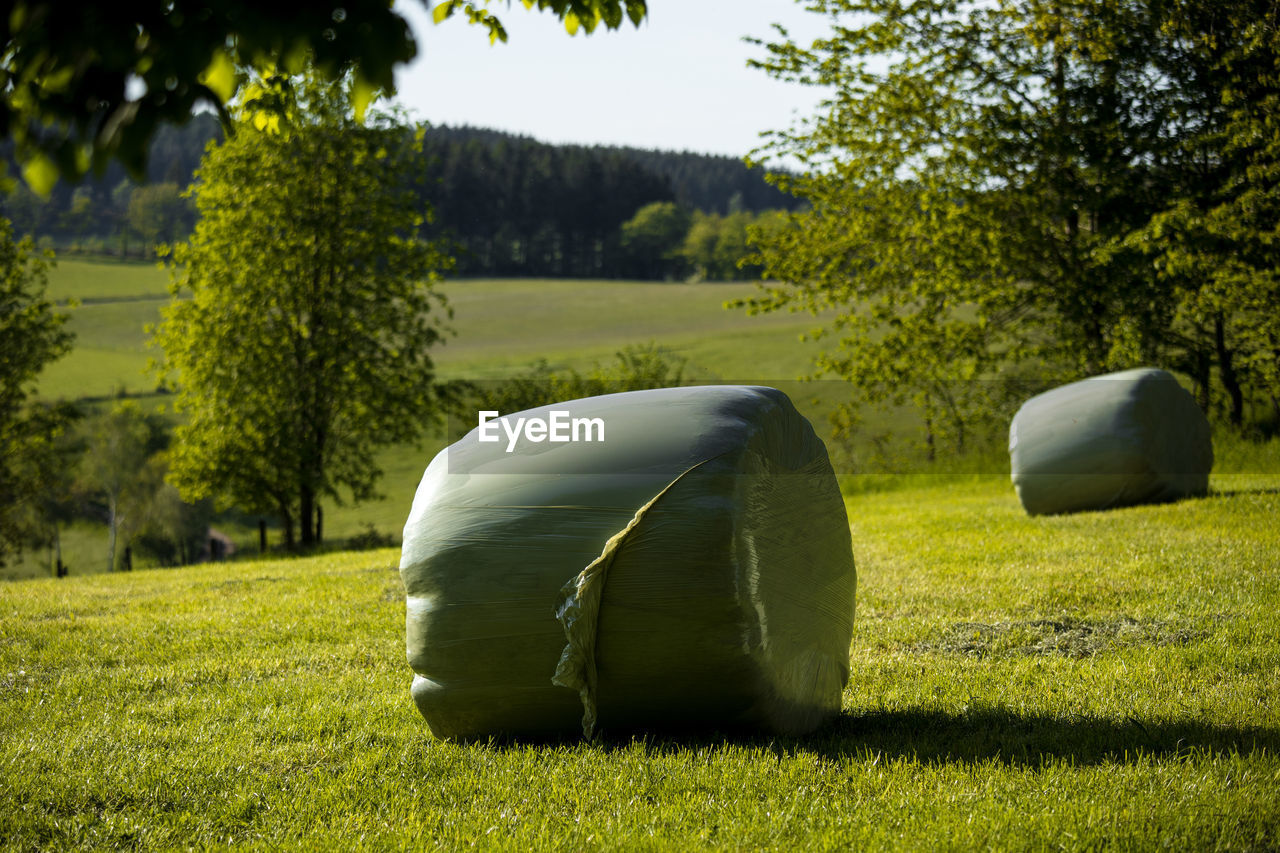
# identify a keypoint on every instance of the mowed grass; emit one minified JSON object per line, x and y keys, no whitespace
{"x":1101,"y":680}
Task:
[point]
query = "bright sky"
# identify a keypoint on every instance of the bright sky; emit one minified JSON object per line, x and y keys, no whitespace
{"x":679,"y":82}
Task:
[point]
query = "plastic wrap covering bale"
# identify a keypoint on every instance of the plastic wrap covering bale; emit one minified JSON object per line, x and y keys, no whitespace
{"x":1109,"y":441}
{"x":694,"y":568}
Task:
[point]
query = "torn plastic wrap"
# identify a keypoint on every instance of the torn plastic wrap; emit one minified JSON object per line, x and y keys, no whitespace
{"x":1110,"y":441}
{"x":694,"y":568}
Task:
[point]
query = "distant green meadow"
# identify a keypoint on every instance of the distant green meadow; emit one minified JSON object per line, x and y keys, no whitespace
{"x":501,"y":327}
{"x":116,"y":301}
{"x":1094,"y":681}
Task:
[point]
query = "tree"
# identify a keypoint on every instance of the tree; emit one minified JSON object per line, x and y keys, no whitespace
{"x":60,"y":500}
{"x":84,"y":82}
{"x":158,"y":214}
{"x":700,"y":241}
{"x":513,"y":206}
{"x":653,"y":239}
{"x":121,"y":195}
{"x":27,"y":213}
{"x":1214,"y":244}
{"x":32,"y":334}
{"x":119,"y":444}
{"x":125,"y":457}
{"x":305,"y":343}
{"x":977,"y":183}
{"x":78,"y":218}
{"x":718,"y":248}
{"x":171,"y":530}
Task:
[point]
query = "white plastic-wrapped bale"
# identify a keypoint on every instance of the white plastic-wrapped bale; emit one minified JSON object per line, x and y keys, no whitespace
{"x":1109,"y":441}
{"x":693,"y":568}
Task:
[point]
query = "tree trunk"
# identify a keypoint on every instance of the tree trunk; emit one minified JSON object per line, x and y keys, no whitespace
{"x":954,"y":415}
{"x":286,"y":520}
{"x":319,"y":523}
{"x":111,"y":534}
{"x":1227,"y":370}
{"x":59,"y":569}
{"x":1202,"y":377}
{"x":929,"y":442}
{"x":307,"y":515}
{"x":262,"y":536}
{"x":1097,"y":344}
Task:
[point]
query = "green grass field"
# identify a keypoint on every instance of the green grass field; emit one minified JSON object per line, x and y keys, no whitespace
{"x":106,"y":279}
{"x":502,"y":327}
{"x":116,"y":302}
{"x":1095,"y":681}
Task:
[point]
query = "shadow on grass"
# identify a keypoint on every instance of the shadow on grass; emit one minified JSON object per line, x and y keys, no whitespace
{"x":1234,"y":493}
{"x":1013,"y":738}
{"x":990,"y":734}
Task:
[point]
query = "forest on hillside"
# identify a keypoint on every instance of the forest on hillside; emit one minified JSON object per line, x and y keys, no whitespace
{"x":504,"y":205}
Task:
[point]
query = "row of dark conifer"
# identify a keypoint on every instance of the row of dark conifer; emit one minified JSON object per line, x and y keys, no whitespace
{"x":507,"y":205}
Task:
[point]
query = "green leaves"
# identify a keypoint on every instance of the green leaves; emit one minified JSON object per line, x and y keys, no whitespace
{"x":73,"y":74}
{"x":973,"y":181}
{"x":584,"y":15}
{"x":444,"y":9}
{"x":1088,"y":187}
{"x":80,"y":80}
{"x":40,"y":173}
{"x":220,"y":76}
{"x":362,"y":94}
{"x":32,"y":334}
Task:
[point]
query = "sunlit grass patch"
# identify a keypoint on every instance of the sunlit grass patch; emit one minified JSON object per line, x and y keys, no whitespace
{"x":1085,"y":681}
{"x":103,"y":279}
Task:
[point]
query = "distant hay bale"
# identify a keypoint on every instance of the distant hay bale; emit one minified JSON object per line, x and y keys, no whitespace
{"x":1109,"y":441}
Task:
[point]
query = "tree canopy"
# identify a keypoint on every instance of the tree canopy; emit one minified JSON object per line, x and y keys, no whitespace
{"x":85,"y":82}
{"x":118,"y":467}
{"x":992,"y":186}
{"x":654,"y":238}
{"x":304,"y":345}
{"x":1214,"y":243}
{"x":32,"y":334}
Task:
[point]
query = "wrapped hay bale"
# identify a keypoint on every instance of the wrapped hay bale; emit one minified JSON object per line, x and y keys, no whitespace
{"x":1109,"y":441}
{"x":688,"y":563}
